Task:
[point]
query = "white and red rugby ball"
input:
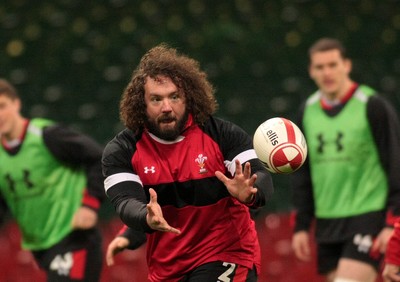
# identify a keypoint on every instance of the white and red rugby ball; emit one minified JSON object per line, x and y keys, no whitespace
{"x":280,"y":145}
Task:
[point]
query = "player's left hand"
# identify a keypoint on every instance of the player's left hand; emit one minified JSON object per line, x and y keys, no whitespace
{"x":241,"y":186}
{"x":84,"y":218}
{"x":382,"y":240}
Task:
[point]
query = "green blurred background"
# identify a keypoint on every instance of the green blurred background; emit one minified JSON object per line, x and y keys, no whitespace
{"x":71,"y":60}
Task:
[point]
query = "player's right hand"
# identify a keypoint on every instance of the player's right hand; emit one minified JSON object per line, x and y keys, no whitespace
{"x":241,"y":186}
{"x":117,"y":245}
{"x":155,"y":218}
{"x":301,"y":245}
{"x":391,"y":273}
{"x":84,"y":218}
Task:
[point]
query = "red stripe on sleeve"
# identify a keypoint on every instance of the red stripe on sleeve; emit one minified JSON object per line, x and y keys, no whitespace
{"x":122,"y":230}
{"x":90,"y":201}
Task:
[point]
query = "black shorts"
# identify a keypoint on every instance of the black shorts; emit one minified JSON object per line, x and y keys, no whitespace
{"x":329,"y":254}
{"x":78,"y":257}
{"x":351,"y":238}
{"x":221,"y":271}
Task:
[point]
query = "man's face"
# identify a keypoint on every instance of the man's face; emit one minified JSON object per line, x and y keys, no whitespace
{"x":165,"y":108}
{"x":9,"y":113}
{"x":330,"y":71}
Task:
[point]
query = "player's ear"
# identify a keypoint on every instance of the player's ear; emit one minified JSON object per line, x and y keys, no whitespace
{"x":348,"y":65}
{"x":17,"y":104}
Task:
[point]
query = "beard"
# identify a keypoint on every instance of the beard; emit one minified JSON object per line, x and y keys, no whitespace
{"x":168,"y":134}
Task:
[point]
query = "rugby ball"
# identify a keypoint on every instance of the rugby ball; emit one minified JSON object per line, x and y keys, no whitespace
{"x":280,"y":145}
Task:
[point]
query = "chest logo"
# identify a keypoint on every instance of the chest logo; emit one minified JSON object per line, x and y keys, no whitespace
{"x":201,"y":162}
{"x":151,"y":169}
{"x":337,"y":142}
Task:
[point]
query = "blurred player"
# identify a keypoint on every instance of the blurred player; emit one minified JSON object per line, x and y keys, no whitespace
{"x":351,"y":183}
{"x":51,"y":182}
{"x":184,"y":177}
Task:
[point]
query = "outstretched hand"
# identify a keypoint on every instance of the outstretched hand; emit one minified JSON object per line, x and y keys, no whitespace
{"x":116,"y":246}
{"x":155,"y":218}
{"x":241,"y":186}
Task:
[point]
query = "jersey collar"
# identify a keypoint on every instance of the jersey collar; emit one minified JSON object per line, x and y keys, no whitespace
{"x":11,"y":145}
{"x":329,"y":105}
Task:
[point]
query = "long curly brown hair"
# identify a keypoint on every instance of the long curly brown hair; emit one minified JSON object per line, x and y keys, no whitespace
{"x":183,"y":71}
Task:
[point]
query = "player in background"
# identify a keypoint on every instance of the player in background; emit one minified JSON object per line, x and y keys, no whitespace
{"x":391,"y":271}
{"x":351,"y":182}
{"x":51,"y":183}
{"x":185,"y":177}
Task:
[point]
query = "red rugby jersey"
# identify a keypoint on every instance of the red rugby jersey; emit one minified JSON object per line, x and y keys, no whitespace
{"x":214,"y":225}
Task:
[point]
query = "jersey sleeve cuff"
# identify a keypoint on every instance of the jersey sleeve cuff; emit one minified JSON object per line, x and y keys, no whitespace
{"x":252,"y":202}
{"x":391,"y":219}
{"x":90,"y":201}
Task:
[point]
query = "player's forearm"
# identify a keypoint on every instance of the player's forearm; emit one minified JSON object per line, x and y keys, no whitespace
{"x":302,"y":220}
{"x":302,"y":197}
{"x":136,"y":238}
{"x":133,"y":214}
{"x":131,"y":208}
{"x":385,"y":128}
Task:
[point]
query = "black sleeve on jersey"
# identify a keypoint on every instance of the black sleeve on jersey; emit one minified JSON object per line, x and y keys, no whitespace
{"x":136,"y":238}
{"x":264,"y":185}
{"x":77,"y":150}
{"x":130,"y":204}
{"x":385,"y":127}
{"x":234,"y":140}
{"x":302,"y":195}
{"x":128,"y":198}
